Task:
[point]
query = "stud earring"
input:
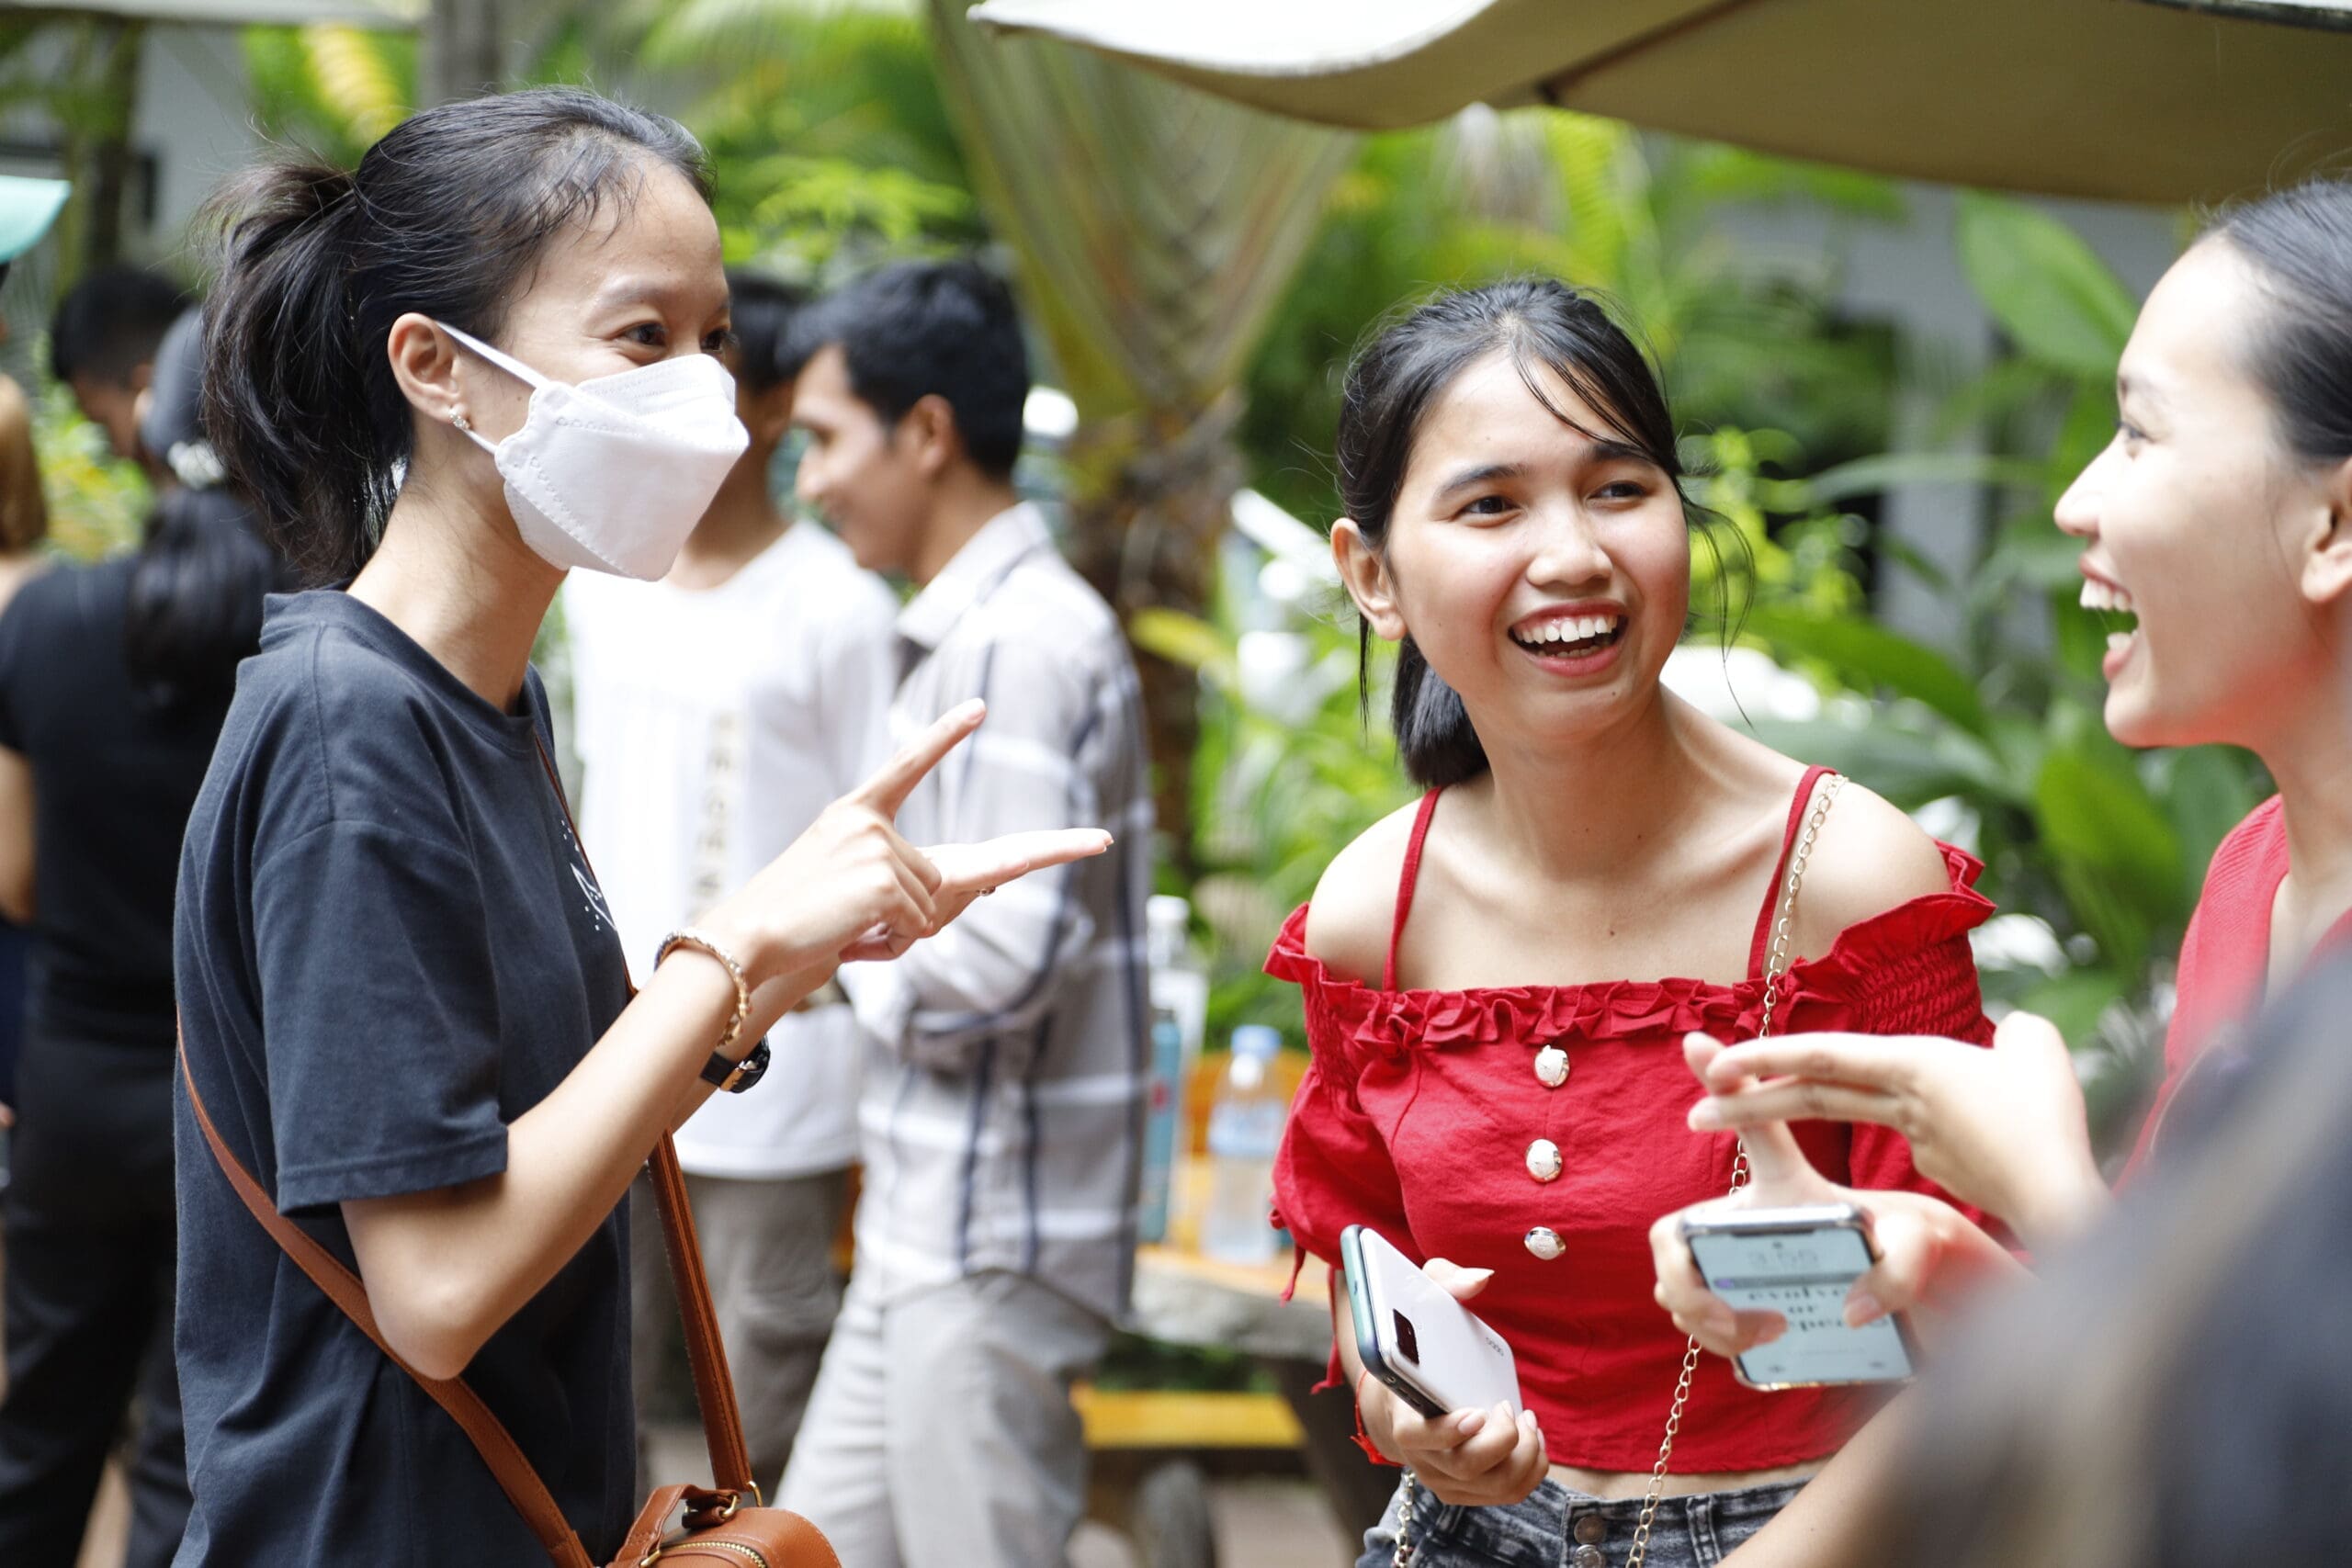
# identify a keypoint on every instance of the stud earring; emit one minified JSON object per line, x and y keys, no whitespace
{"x":461,"y":422}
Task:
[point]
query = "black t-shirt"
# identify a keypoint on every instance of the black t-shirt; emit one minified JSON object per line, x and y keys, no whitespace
{"x":114,"y":778}
{"x":390,"y":947}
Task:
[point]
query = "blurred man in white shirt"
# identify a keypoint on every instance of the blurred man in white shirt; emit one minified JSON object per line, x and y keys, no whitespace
{"x":718,"y":712}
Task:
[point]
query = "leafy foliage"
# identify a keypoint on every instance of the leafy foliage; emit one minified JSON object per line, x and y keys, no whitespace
{"x":332,"y":90}
{"x":96,"y":501}
{"x":828,"y":139}
{"x":1743,"y":345}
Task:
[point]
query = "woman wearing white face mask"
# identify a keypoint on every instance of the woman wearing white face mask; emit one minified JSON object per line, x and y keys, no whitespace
{"x":403,"y":1006}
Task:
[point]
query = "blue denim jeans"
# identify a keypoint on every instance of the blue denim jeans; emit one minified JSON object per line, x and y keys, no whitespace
{"x":1555,"y":1528}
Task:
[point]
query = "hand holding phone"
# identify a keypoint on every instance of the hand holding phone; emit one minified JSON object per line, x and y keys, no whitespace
{"x":1801,"y":1263}
{"x":1921,"y":1256}
{"x":1411,"y":1334}
{"x":1474,"y":1455}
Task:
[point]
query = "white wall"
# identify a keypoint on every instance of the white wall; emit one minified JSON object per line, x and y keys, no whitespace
{"x":192,"y":123}
{"x":1910,"y":275}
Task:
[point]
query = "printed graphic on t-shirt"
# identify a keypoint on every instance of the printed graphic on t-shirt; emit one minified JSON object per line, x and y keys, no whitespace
{"x":595,"y":908}
{"x":722,"y":784}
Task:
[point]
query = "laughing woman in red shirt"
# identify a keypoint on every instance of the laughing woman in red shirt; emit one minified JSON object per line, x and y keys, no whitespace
{"x":1499,"y":1076}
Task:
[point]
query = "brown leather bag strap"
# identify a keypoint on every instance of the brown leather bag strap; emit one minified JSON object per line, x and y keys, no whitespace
{"x":722,"y":1423}
{"x":484,"y":1430}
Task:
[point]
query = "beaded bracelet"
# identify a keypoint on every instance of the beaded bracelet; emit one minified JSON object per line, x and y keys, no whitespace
{"x":689,"y":936}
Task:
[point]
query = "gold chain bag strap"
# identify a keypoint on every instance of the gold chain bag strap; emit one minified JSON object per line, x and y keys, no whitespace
{"x":1776,"y":965}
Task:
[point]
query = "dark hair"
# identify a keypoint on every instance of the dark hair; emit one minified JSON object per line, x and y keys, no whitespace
{"x":762,"y":310}
{"x":1391,"y":384}
{"x":2299,"y":242}
{"x":109,"y":323}
{"x":2172,"y":1390}
{"x":920,"y":329}
{"x":195,"y":593}
{"x":445,"y":216}
{"x":195,"y":597}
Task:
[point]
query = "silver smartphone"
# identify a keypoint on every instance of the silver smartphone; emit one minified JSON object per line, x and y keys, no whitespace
{"x":1411,"y":1334}
{"x":1800,"y":1262}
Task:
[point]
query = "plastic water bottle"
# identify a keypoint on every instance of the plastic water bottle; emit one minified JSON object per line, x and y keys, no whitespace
{"x":1245,"y":1129}
{"x":1180,"y":995}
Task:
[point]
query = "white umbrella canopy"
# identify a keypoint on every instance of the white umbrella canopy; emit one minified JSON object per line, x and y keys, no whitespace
{"x":2144,"y":100}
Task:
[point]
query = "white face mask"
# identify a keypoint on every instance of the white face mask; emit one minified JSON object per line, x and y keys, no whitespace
{"x":614,"y":472}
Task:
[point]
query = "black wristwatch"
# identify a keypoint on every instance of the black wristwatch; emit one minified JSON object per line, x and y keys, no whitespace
{"x":734,"y":1077}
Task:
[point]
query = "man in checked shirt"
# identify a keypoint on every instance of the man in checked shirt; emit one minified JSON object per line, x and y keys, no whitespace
{"x":1001,"y":1108}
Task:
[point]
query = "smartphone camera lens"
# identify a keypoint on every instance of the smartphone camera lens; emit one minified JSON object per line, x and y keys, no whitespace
{"x":1408,"y":1345}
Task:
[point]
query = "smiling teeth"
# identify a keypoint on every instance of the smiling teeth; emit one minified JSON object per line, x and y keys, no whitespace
{"x":2101,"y":596}
{"x":1571,"y":628}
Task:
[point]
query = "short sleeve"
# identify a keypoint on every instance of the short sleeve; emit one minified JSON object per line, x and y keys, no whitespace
{"x":1333,"y":1169}
{"x":381,"y":1017}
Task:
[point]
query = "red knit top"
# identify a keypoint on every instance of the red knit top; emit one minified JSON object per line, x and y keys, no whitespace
{"x":1417,"y":1115}
{"x":2225,"y":954}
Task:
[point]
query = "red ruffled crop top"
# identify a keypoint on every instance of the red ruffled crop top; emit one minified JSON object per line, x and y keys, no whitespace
{"x":1418,"y":1114}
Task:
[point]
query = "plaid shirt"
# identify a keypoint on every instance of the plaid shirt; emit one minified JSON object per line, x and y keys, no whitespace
{"x":1001,"y":1121}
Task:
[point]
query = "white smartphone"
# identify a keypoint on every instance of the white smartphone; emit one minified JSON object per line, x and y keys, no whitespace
{"x":1800,"y":1262}
{"x":1414,"y":1337}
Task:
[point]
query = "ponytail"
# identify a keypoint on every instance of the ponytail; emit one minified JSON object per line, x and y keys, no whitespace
{"x":286,"y":400}
{"x":445,"y":217}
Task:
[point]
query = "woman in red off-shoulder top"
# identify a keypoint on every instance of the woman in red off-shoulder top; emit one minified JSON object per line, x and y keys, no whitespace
{"x":1487,"y":1092}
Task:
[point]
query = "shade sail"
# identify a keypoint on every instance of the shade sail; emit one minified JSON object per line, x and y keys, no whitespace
{"x":2148,"y":100}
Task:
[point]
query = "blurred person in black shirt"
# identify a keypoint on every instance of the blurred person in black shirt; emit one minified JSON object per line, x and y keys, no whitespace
{"x":28,"y":206}
{"x":114,"y":680}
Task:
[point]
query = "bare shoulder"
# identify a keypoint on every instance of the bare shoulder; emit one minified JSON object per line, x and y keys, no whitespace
{"x":1354,"y":910}
{"x":1869,"y":859}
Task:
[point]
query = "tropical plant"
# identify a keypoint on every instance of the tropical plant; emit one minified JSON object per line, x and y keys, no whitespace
{"x":96,"y":501}
{"x":79,"y":76}
{"x":1746,"y":345}
{"x":827,"y":136}
{"x":828,"y":139}
{"x":328,"y":88}
{"x":1154,"y":247}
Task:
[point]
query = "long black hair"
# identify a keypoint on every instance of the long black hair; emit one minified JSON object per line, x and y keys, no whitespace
{"x":445,"y":216}
{"x":196,"y":590}
{"x":1391,"y":386}
{"x":2300,"y":243}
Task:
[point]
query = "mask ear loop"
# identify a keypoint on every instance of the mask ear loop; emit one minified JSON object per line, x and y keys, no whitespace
{"x":504,"y":361}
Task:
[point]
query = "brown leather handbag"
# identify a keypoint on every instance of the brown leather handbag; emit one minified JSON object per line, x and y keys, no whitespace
{"x":683,"y":1525}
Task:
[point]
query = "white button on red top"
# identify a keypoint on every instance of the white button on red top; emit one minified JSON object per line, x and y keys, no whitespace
{"x":1544,"y":1159}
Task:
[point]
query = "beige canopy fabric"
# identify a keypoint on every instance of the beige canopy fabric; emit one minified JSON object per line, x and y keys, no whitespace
{"x":2144,"y":100}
